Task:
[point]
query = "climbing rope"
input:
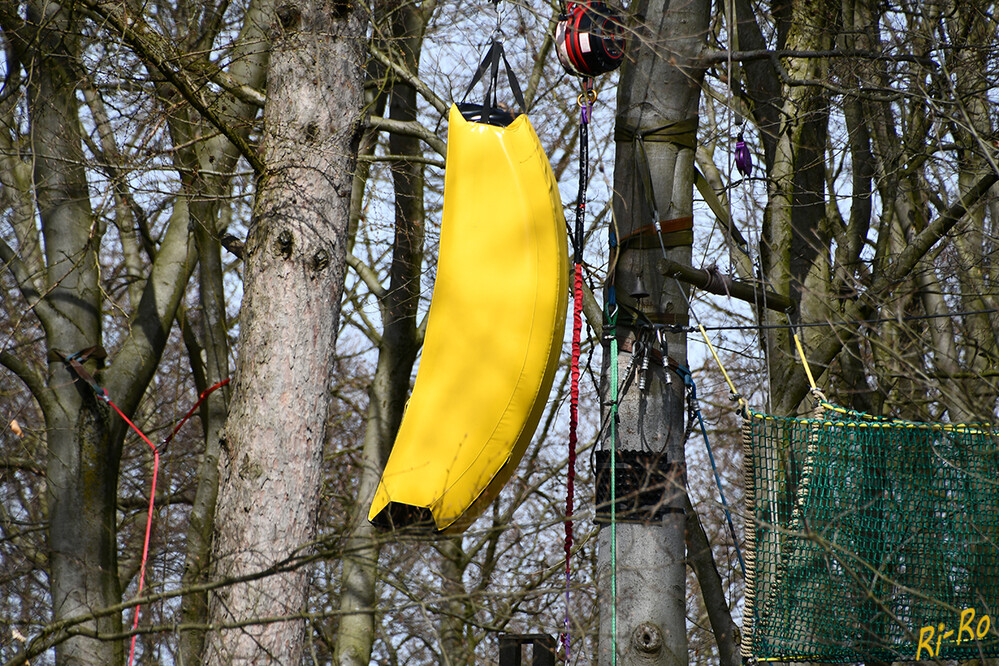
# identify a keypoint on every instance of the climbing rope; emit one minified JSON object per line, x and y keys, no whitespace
{"x":589,"y":40}
{"x":816,"y":392}
{"x":149,"y":517}
{"x":152,"y":490}
{"x":613,"y":399}
{"x":735,"y":395}
{"x":201,"y":398}
{"x":585,"y":100}
{"x":695,"y":410}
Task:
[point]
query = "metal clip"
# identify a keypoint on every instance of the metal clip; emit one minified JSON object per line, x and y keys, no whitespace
{"x":664,"y":351}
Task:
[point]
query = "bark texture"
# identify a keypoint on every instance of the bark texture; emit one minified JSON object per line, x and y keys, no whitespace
{"x":270,"y":460}
{"x":206,"y":179}
{"x":82,"y":463}
{"x":64,"y":290}
{"x":659,"y":90}
{"x":795,"y":233}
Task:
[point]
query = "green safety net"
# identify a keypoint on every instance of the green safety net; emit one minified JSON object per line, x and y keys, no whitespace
{"x":870,"y":539}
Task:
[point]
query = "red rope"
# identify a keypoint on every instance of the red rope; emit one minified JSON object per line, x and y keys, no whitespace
{"x":149,"y":520}
{"x":577,"y":328}
{"x":75,"y":362}
{"x":586,"y":106}
{"x":201,"y":398}
{"x":152,"y":492}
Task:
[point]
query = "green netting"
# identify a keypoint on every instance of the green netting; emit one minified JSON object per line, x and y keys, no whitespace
{"x":870,"y":539}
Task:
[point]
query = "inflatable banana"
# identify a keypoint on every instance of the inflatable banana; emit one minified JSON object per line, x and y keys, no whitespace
{"x":494,"y":331}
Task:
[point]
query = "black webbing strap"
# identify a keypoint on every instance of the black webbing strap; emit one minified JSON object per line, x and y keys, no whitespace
{"x":75,"y":362}
{"x":681,"y":133}
{"x":491,"y":62}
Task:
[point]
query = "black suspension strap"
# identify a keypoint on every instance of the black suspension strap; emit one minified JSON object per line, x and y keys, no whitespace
{"x":490,"y":111}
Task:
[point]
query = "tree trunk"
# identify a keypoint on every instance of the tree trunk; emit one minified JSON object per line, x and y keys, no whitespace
{"x":795,"y":251}
{"x":271,"y":455}
{"x":82,"y":471}
{"x":206,"y":172}
{"x":194,"y":607}
{"x":659,"y":88}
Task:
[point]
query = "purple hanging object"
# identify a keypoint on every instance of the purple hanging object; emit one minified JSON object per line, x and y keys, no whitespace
{"x":743,"y":160}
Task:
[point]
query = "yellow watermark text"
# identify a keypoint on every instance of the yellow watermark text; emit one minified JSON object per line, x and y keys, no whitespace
{"x":967,"y":630}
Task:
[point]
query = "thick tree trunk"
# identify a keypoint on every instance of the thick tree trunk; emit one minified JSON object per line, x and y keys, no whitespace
{"x":659,"y":88}
{"x":295,"y":258}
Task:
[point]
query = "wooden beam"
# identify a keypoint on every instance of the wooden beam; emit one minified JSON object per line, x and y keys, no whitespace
{"x":714,"y":282}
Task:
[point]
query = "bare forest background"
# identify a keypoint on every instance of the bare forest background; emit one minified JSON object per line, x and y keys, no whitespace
{"x":233,"y":186}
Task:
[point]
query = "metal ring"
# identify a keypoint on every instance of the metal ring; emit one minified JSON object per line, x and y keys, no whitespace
{"x":590,"y":98}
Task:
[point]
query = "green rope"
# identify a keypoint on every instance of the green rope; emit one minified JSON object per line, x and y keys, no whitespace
{"x":612,"y":332}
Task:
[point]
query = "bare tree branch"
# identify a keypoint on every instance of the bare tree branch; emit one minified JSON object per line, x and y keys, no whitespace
{"x":157,"y":53}
{"x":410,"y":129}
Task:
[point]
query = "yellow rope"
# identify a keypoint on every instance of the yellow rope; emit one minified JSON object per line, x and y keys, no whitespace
{"x":731,"y":386}
{"x":804,"y":361}
{"x":861,"y":420}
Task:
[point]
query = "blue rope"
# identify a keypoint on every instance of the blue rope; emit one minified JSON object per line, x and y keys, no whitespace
{"x":688,"y":381}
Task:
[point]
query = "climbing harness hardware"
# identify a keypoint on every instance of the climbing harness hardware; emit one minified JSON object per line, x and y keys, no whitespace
{"x":590,"y":39}
{"x":743,"y":158}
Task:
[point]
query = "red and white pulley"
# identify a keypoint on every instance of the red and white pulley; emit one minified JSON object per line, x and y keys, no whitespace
{"x":590,"y":39}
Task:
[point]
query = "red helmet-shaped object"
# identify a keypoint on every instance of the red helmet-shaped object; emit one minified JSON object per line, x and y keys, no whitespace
{"x":590,"y":39}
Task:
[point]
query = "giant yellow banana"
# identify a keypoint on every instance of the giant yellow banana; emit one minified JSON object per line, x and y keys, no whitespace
{"x":494,"y":332}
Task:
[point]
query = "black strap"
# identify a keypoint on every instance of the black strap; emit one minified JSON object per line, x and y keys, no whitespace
{"x":682,"y":133}
{"x":491,"y":62}
{"x":584,"y":176}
